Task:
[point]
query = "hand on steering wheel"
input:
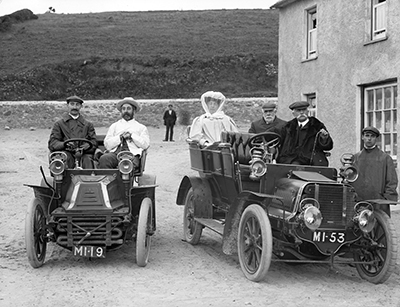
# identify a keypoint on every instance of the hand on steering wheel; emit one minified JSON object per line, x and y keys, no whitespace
{"x":77,"y":144}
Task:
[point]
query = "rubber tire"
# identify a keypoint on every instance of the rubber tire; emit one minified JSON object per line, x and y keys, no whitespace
{"x":35,"y":233}
{"x":380,"y":273}
{"x":192,"y":230}
{"x":255,"y":218}
{"x":143,"y":239}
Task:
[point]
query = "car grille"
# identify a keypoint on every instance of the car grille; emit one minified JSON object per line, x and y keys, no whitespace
{"x":104,"y":230}
{"x":336,"y":203}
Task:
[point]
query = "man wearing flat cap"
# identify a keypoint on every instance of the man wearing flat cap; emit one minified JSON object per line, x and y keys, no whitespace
{"x":125,"y":134}
{"x":304,"y":139}
{"x":269,"y":121}
{"x":377,"y":177}
{"x":73,"y":125}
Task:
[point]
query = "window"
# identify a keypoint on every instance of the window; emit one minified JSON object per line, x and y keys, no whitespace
{"x":380,"y":111}
{"x":378,"y":21}
{"x":312,"y":100}
{"x":311,"y":33}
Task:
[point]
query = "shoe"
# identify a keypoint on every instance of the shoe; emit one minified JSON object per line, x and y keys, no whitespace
{"x":172,"y":140}
{"x":165,"y":140}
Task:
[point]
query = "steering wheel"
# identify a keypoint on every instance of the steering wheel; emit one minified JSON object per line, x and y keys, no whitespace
{"x":269,"y":139}
{"x":77,"y":144}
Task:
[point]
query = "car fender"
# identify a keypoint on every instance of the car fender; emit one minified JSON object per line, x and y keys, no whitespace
{"x":244,"y":199}
{"x":202,"y":195}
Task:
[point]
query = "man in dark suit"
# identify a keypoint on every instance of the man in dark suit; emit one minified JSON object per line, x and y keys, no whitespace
{"x":304,"y":139}
{"x":269,"y":121}
{"x":169,"y":122}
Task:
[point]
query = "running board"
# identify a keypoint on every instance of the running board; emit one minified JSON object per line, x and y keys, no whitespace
{"x":214,"y":225}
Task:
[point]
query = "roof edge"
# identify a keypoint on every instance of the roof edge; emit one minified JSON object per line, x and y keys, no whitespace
{"x":282,"y":3}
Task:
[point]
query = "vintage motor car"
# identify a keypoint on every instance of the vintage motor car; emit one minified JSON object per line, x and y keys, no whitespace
{"x":91,"y":211}
{"x":266,"y":211}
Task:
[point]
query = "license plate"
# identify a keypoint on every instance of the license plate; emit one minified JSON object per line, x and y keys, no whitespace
{"x":89,"y":251}
{"x":329,"y":236}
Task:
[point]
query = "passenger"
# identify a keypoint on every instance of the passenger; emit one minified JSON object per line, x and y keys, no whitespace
{"x":304,"y":138}
{"x":377,"y":177}
{"x":207,"y":128}
{"x":73,"y":125}
{"x":125,"y":134}
{"x":269,"y":122}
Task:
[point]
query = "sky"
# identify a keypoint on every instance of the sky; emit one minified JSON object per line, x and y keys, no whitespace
{"x":94,"y":6}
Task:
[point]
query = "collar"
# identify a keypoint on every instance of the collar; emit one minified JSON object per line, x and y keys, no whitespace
{"x":74,"y":117}
{"x":370,"y":148}
{"x":66,"y":117}
{"x":302,"y":124}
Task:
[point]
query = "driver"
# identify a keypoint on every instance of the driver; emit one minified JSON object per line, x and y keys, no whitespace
{"x":73,"y":125}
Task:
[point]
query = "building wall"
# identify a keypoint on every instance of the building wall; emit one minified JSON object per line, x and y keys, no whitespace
{"x":345,"y":62}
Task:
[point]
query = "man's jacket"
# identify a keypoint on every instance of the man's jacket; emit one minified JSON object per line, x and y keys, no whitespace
{"x":69,"y":128}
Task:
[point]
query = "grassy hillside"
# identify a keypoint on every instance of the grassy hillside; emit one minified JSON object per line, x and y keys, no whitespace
{"x":173,"y":54}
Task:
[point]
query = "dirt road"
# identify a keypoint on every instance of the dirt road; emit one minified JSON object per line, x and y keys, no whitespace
{"x":178,"y":274}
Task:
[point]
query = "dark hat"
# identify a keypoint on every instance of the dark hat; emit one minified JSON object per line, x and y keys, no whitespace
{"x":372,"y":130}
{"x":75,"y":99}
{"x":299,"y":105}
{"x":130,"y":101}
{"x":269,"y":105}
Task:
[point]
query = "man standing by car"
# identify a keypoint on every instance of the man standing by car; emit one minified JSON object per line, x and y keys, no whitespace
{"x":125,"y":134}
{"x":169,"y":122}
{"x":377,"y":177}
{"x":269,"y":121}
{"x":73,"y":125}
{"x":304,"y":138}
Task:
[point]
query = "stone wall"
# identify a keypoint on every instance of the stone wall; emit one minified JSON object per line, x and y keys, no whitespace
{"x":42,"y":114}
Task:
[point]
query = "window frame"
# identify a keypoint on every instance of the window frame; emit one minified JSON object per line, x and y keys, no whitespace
{"x":381,"y":6}
{"x":380,"y":110}
{"x":311,"y":33}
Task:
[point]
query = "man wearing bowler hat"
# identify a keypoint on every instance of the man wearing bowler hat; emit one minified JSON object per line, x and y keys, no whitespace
{"x":125,"y":134}
{"x":269,"y":121}
{"x":377,"y":177}
{"x":304,"y":139}
{"x":73,"y":125}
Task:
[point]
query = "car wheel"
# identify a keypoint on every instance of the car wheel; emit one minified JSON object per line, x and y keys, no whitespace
{"x":255,"y":243}
{"x":382,"y":253}
{"x":35,"y":233}
{"x":143,"y":239}
{"x":191,"y":229}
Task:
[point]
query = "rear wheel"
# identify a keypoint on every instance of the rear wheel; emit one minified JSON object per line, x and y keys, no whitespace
{"x":379,"y":247}
{"x":191,"y":229}
{"x":35,"y":233}
{"x":143,"y":239}
{"x":255,"y":243}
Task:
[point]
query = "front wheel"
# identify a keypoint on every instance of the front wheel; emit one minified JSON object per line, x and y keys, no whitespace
{"x":255,"y":243}
{"x":378,"y":250}
{"x":35,"y":233}
{"x":143,"y":239}
{"x":191,"y":229}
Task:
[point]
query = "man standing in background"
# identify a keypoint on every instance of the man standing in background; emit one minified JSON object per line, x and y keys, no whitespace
{"x":169,"y":122}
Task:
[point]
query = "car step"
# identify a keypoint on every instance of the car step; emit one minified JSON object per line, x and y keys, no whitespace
{"x":214,"y":225}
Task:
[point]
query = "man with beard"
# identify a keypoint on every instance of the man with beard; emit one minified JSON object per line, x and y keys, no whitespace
{"x":304,"y":139}
{"x":377,"y":177}
{"x":269,"y":121}
{"x":125,"y":134}
{"x":72,"y":125}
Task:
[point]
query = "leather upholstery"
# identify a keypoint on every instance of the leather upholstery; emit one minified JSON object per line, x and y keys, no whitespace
{"x":240,"y":145}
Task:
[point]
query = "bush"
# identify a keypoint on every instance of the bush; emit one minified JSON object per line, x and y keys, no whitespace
{"x":184,"y":117}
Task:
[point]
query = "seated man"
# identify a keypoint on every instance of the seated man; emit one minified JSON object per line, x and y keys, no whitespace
{"x":73,"y":125}
{"x":125,"y":134}
{"x":207,"y":128}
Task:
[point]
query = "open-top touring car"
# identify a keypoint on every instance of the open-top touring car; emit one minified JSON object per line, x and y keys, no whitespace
{"x":281,"y":212}
{"x":91,"y":211}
